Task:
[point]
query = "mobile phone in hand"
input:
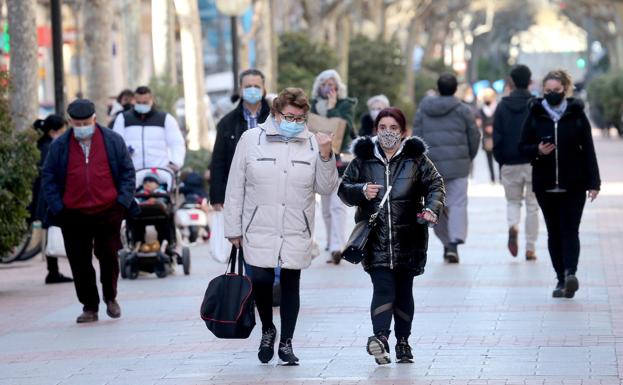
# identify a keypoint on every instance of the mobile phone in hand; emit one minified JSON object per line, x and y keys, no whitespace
{"x":548,"y":139}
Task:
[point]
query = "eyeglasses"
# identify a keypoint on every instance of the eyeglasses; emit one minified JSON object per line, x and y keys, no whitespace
{"x":294,"y":118}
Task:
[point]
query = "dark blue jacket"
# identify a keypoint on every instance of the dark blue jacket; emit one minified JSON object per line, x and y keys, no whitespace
{"x":121,"y":168}
{"x":508,"y":120}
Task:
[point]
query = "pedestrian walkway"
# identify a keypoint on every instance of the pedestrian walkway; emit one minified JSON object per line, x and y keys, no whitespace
{"x":488,"y":320}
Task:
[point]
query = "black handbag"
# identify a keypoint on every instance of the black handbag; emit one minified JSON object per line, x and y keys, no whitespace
{"x":228,"y":308}
{"x":355,"y":249}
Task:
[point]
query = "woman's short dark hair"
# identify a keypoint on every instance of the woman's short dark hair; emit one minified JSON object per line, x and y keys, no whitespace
{"x":392,"y":112}
{"x":125,"y":93}
{"x":290,"y":96}
{"x":447,"y":84}
{"x":52,"y":123}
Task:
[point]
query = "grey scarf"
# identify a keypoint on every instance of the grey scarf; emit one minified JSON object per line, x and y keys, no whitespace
{"x":555,"y":112}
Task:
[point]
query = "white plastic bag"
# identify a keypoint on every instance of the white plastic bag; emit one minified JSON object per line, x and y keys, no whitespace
{"x":55,"y":246}
{"x":220,"y":247}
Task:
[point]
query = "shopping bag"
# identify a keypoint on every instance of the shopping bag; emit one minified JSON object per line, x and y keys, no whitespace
{"x":228,"y":309}
{"x":219,"y":245}
{"x":55,"y":246}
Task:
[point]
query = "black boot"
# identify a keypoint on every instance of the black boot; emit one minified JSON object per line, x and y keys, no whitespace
{"x":267,"y":345}
{"x":286,"y":354}
{"x":57,"y":278}
{"x":559,"y":291}
{"x":571,"y":285}
{"x":403,"y":351}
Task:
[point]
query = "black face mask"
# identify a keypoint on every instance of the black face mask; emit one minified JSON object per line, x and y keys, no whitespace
{"x":554,"y":98}
{"x":128,"y":106}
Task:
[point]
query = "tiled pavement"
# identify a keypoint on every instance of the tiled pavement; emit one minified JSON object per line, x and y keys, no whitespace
{"x":489,"y":320}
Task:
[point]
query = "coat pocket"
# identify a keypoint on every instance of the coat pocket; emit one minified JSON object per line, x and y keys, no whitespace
{"x":246,"y":230}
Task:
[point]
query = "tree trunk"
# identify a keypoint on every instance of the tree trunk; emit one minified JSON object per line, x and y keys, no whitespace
{"x":163,"y":39}
{"x":98,"y":50}
{"x":264,"y":42}
{"x":23,"y":71}
{"x":198,"y":116}
{"x":343,"y":44}
{"x":409,"y":92}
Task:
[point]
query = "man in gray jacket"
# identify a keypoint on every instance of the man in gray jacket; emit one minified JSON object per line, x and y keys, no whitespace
{"x":449,"y":128}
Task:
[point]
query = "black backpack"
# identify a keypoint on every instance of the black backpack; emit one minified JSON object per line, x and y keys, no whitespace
{"x":228,"y":308}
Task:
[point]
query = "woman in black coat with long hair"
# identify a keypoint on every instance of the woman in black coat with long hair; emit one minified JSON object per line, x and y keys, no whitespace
{"x":557,"y":138}
{"x":50,"y":128}
{"x":396,"y":249}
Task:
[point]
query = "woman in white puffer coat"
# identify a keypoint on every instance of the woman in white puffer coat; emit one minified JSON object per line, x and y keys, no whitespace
{"x":277,"y":169}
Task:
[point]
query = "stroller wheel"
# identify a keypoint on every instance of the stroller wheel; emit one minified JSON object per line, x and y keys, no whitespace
{"x":160,"y":270}
{"x":130,"y":271}
{"x":122,"y":262}
{"x":186,"y":260}
{"x":193,"y":234}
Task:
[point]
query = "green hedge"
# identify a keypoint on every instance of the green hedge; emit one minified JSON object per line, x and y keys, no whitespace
{"x":18,"y":157}
{"x":605,"y":96}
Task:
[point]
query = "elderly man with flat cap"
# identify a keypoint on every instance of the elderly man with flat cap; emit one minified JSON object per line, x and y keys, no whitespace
{"x":88,"y":182}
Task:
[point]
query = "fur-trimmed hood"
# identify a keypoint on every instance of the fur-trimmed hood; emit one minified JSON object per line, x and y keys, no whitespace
{"x":412,"y":147}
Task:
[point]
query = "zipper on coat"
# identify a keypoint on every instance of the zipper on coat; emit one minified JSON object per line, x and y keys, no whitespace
{"x":307,"y":224}
{"x":250,"y":221}
{"x":389,"y":219}
{"x":556,"y":150}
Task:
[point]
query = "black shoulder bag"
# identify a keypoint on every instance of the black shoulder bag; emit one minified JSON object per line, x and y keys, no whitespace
{"x":228,"y":308}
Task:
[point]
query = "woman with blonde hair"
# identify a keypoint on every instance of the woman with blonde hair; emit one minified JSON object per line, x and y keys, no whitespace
{"x":557,"y":138}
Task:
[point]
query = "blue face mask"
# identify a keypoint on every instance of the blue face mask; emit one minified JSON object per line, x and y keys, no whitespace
{"x":84,"y":132}
{"x":251,"y":95}
{"x":142,"y":108}
{"x":291,"y":129}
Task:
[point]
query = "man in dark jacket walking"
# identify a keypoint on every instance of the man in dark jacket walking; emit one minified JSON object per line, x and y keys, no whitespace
{"x":516,"y":172}
{"x":448,"y":127}
{"x":251,"y":111}
{"x":88,"y":183}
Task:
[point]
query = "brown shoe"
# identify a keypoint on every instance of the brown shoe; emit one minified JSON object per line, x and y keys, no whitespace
{"x":530,"y":255}
{"x":336,"y":256}
{"x":513,"y":247}
{"x":113,"y":309}
{"x":87,"y":316}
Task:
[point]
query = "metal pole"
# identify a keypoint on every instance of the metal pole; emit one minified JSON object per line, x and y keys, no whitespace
{"x":234,"y":50}
{"x":57,"y":54}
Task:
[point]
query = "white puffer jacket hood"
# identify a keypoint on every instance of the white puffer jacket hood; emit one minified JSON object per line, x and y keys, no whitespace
{"x":270,"y":197}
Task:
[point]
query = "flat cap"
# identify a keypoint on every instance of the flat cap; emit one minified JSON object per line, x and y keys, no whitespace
{"x":81,"y":109}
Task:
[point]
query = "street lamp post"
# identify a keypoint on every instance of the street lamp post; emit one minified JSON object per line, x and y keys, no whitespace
{"x":233,"y":9}
{"x":57,"y":54}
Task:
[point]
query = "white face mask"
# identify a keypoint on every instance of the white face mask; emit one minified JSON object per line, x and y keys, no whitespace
{"x":374,"y":113}
{"x":142,"y":108}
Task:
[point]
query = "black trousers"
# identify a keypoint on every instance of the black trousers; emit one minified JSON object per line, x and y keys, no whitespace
{"x":88,"y":234}
{"x":563,"y":213}
{"x":263,"y":280}
{"x":392,"y":297}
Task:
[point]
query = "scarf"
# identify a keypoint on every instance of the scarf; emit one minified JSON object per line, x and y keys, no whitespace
{"x":555,"y":112}
{"x":321,"y":107}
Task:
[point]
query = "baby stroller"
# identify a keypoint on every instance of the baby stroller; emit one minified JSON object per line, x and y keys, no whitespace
{"x":191,"y":218}
{"x":157,"y":211}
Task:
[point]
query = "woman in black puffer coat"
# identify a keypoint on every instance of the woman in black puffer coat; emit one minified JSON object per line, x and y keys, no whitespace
{"x":557,"y":139}
{"x":397,"y":247}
